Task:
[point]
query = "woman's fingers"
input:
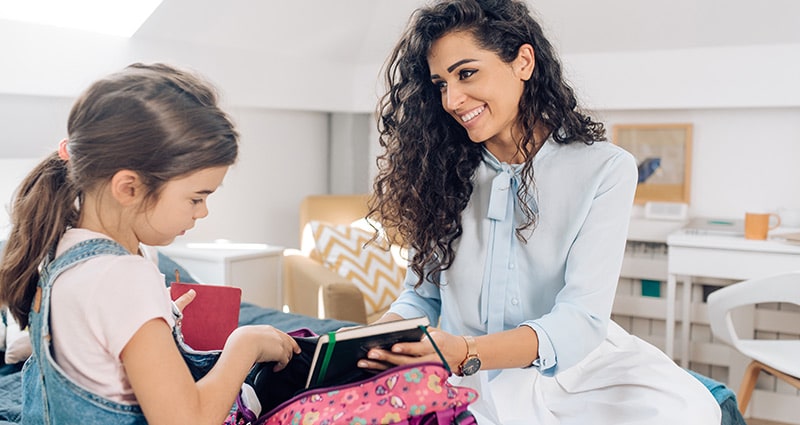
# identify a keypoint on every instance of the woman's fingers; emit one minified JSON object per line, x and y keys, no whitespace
{"x":369,"y":364}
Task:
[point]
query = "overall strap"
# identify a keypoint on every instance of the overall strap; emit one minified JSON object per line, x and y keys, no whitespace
{"x":49,"y":395}
{"x":79,"y":253}
{"x":75,"y":255}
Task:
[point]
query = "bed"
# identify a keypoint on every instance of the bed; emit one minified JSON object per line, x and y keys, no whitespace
{"x":10,"y":374}
{"x":249,"y":314}
{"x":10,"y":385}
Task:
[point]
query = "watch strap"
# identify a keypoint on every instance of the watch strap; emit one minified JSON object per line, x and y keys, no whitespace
{"x":472,"y":350}
{"x":472,"y":353}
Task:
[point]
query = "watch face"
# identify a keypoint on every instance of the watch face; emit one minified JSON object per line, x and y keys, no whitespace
{"x":470,"y":366}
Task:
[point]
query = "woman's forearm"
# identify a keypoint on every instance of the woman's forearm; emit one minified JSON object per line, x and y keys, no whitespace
{"x":513,"y":348}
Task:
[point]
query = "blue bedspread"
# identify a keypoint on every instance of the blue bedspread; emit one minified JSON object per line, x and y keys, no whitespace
{"x":725,"y":397}
{"x":10,"y":386}
{"x":10,"y":393}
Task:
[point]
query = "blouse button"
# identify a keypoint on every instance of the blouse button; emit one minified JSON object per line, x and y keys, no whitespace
{"x":514,"y":301}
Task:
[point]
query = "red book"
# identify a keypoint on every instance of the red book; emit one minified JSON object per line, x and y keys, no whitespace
{"x":211,"y":317}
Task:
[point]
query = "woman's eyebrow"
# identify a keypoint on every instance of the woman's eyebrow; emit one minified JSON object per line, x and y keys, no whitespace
{"x":453,"y":66}
{"x":459,"y":63}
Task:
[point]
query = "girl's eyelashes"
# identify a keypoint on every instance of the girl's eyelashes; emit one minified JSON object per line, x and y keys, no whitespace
{"x":197,"y":201}
{"x":441,"y":85}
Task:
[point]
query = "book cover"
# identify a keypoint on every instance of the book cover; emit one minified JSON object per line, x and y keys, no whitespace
{"x":337,"y":353}
{"x":211,"y":317}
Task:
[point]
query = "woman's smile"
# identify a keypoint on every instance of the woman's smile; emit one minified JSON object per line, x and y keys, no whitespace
{"x":469,"y":116}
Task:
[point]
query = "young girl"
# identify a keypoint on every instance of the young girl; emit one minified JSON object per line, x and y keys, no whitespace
{"x":516,"y":210}
{"x":146,"y":148}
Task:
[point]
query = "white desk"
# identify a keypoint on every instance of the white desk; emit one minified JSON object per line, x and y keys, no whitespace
{"x":258,"y":271}
{"x":724,"y":257}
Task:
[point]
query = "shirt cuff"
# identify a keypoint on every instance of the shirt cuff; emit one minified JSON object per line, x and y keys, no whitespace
{"x":407,"y":311}
{"x":546,"y":362}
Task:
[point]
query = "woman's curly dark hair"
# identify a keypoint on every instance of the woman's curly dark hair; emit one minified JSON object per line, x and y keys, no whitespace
{"x":425,"y":173}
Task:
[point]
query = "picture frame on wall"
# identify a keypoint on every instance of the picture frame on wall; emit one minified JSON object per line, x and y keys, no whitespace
{"x":663,"y":154}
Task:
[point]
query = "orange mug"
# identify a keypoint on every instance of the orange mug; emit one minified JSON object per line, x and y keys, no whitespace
{"x":757,"y":225}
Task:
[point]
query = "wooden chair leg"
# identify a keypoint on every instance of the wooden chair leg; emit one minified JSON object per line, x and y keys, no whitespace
{"x":748,"y":385}
{"x":795,"y":382}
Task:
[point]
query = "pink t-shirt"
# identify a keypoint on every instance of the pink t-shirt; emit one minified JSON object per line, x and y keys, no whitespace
{"x":96,"y":307}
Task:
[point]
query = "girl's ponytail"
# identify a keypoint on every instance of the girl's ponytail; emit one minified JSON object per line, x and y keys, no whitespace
{"x":156,"y":120}
{"x":44,"y":207}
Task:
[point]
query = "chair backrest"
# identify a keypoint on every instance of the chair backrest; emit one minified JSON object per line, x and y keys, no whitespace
{"x":334,"y":209}
{"x":784,"y":287}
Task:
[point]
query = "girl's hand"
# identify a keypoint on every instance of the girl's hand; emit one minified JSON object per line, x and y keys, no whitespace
{"x":185,"y":299}
{"x":157,"y":372}
{"x":453,"y":348}
{"x":271,"y":345}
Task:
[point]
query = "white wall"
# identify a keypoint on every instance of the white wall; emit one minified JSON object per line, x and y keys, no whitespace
{"x":12,"y":171}
{"x":742,"y":159}
{"x":743,"y":101}
{"x":281,"y":103}
{"x":284,"y":157}
{"x":350,"y":155}
{"x":762,"y":76}
{"x":32,"y":126}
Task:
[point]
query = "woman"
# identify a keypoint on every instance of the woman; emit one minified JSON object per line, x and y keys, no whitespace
{"x":515,"y":210}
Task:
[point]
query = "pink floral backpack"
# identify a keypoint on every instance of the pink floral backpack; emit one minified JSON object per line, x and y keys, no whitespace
{"x":417,"y":394}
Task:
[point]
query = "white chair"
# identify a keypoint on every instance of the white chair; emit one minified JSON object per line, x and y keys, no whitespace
{"x":780,"y":358}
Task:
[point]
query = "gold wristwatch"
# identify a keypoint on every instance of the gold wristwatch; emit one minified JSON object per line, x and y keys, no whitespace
{"x":472,"y":363}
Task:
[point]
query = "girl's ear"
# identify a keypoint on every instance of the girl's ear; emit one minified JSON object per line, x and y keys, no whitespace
{"x":126,"y":187}
{"x":525,"y":62}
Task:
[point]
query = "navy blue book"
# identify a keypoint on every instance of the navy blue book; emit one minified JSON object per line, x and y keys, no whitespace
{"x":337,"y":353}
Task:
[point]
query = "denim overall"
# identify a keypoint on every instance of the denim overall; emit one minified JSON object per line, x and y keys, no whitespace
{"x":49,"y":396}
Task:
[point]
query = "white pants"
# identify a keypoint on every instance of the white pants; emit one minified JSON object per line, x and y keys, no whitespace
{"x":623,"y":381}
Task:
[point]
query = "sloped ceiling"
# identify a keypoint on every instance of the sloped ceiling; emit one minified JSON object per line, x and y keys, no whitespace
{"x":326,"y":55}
{"x":363,"y":31}
{"x":349,"y":31}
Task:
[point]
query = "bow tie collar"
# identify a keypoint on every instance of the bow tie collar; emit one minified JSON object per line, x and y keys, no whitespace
{"x":504,"y":186}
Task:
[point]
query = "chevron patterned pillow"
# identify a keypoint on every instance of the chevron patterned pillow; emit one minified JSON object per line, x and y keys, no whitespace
{"x":370,"y":267}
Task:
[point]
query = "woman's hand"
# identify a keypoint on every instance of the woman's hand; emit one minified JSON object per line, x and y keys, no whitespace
{"x":453,"y":348}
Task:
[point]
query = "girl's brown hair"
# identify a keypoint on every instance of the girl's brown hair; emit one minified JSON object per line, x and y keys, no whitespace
{"x":159,"y":121}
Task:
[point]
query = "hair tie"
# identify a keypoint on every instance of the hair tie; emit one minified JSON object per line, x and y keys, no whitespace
{"x":63,"y":153}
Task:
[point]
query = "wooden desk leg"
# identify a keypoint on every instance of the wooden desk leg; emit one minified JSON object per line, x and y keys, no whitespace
{"x":686,"y":320}
{"x":669,"y":342}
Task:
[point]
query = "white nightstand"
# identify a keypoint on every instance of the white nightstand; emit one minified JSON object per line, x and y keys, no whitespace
{"x":255,"y":268}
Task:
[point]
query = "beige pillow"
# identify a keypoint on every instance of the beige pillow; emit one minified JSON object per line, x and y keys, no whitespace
{"x":372,"y":267}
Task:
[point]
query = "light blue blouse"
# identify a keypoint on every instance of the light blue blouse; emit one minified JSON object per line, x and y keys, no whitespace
{"x":561,"y":282}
